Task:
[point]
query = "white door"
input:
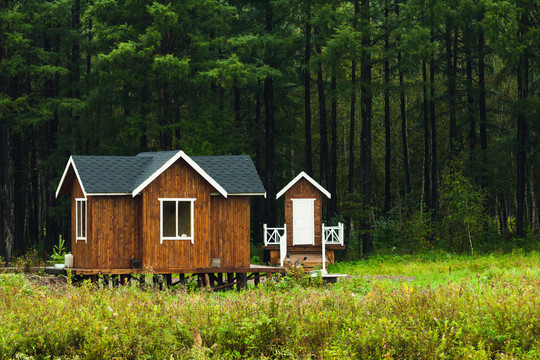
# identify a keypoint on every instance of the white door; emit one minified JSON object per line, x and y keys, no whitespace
{"x":303,"y":222}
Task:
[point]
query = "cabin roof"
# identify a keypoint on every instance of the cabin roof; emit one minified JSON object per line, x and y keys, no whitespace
{"x":236,"y":173}
{"x":303,"y":175}
{"x":129,"y":175}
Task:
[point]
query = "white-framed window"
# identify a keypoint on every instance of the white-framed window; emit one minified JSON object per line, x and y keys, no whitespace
{"x":80,"y":220}
{"x":176,"y":219}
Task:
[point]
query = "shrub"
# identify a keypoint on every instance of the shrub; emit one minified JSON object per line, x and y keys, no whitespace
{"x":462,"y":207}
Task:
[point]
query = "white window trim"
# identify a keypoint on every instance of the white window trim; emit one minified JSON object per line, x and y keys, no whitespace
{"x":77,"y":237}
{"x":177,"y":200}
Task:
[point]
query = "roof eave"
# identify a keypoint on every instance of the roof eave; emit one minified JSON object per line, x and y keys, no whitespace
{"x":180,"y":155}
{"x":72,"y":163}
{"x":308,"y":178}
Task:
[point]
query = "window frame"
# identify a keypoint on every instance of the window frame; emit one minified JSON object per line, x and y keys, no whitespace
{"x":192,"y":212}
{"x":83,"y":237}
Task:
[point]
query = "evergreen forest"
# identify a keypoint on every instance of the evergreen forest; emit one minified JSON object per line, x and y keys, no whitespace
{"x":420,"y":117}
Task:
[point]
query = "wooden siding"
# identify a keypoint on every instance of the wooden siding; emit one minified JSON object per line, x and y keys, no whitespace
{"x":303,"y":189}
{"x":230,"y":232}
{"x":178,"y":181}
{"x":82,"y":251}
{"x":114,"y":230}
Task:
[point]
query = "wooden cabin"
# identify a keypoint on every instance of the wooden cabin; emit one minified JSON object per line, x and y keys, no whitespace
{"x":163,"y":212}
{"x":304,"y":239}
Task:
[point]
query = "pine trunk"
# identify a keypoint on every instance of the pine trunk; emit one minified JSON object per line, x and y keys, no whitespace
{"x":366,"y":103}
{"x":482,"y":105}
{"x":324,"y":166}
{"x":352,"y":121}
{"x":451,"y":83}
{"x":270,"y":202}
{"x":522,"y":95}
{"x":427,"y":173}
{"x":434,"y":165}
{"x":307,"y":95}
{"x":332,"y":202}
{"x":387,"y":139}
{"x":403,"y":113}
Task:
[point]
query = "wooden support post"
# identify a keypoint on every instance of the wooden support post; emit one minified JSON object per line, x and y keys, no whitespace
{"x":168,"y":280}
{"x":200,"y":280}
{"x":219,"y":279}
{"x":207,"y":282}
{"x":230,"y":278}
{"x":257,"y":279}
{"x":94,"y":279}
{"x":142,"y":280}
{"x":241,"y":281}
{"x":158,"y":281}
{"x":182,"y":279}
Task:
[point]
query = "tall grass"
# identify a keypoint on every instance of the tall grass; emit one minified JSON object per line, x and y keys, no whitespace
{"x":470,"y":316}
{"x":439,"y":267}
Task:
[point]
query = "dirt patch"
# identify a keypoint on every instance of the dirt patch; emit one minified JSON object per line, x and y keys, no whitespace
{"x":385,"y":277}
{"x":48,"y":280}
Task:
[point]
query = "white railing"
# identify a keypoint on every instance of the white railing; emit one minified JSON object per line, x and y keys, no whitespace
{"x":332,"y":235}
{"x":277,"y":236}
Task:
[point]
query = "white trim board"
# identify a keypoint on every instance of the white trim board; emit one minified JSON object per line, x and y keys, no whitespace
{"x":70,"y":162}
{"x":240,"y":194}
{"x":77,"y":225}
{"x":308,"y":178}
{"x":180,"y":155}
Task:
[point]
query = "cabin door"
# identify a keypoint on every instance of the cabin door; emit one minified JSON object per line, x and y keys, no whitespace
{"x":303,"y":222}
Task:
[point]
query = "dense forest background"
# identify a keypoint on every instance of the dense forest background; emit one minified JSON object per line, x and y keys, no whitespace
{"x":419,"y":116}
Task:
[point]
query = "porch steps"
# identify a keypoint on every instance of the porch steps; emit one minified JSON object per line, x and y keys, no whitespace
{"x":313,"y":258}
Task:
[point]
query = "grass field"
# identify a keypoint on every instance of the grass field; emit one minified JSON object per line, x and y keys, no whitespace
{"x":431,"y":306}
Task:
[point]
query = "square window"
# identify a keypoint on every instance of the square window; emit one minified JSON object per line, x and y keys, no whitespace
{"x":176,"y":218}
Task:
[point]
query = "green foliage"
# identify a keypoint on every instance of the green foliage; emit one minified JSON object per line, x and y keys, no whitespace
{"x":28,"y":261}
{"x":59,"y":252}
{"x":484,"y":308}
{"x":462,"y":207}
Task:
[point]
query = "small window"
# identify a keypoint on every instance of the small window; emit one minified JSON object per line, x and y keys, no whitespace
{"x":80,"y":220}
{"x":176,"y":219}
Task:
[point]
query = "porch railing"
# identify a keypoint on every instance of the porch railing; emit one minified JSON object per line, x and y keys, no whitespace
{"x":277,"y":236}
{"x":332,"y":235}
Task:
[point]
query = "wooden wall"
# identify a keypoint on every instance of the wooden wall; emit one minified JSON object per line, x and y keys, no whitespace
{"x":303,"y":189}
{"x":230,"y":232}
{"x":178,"y":181}
{"x":112,"y":234}
{"x":114,"y":230}
{"x":82,"y":251}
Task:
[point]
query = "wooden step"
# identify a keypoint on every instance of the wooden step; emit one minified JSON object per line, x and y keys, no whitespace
{"x":313,"y":259}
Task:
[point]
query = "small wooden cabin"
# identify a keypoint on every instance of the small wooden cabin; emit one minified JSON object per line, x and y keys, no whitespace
{"x":304,"y":235}
{"x":166,"y":212}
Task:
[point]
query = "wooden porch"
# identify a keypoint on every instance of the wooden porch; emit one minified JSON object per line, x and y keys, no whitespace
{"x":286,"y":253}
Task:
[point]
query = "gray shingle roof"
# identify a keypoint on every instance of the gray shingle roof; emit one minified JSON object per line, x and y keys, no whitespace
{"x":235,"y":173}
{"x":109,"y":174}
{"x":123,"y":174}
